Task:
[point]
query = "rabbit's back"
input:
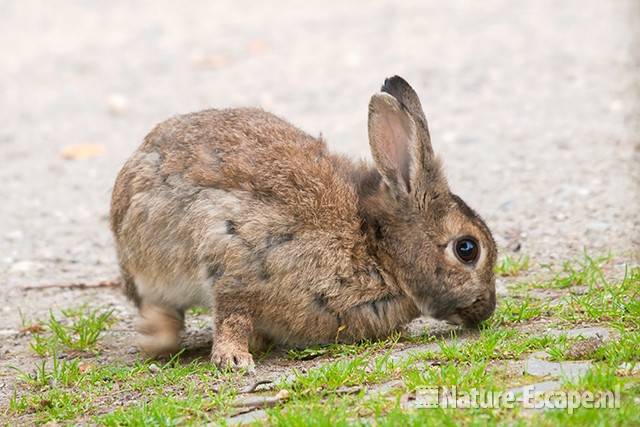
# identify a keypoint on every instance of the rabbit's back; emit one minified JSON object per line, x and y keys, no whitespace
{"x":239,"y":150}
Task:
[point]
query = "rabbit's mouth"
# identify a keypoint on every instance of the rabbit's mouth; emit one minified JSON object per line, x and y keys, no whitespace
{"x":469,"y":315}
{"x":473,"y":315}
{"x":454,"y":320}
{"x":460,"y":320}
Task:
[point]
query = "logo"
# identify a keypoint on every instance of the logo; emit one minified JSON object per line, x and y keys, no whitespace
{"x":526,"y":397}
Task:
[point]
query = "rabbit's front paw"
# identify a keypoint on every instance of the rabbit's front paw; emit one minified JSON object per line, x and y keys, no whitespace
{"x":226,"y":356}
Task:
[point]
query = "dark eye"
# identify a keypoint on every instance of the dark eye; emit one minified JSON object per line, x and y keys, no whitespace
{"x":467,"y":250}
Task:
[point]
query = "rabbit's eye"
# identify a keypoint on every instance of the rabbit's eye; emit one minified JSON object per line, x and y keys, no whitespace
{"x":466,"y":250}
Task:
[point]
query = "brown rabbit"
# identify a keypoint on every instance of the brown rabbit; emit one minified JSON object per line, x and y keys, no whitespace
{"x":241,"y":211}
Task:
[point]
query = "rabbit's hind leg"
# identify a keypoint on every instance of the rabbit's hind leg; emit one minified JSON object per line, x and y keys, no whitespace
{"x":160,"y":328}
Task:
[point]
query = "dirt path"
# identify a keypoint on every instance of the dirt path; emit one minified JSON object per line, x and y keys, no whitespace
{"x":535,"y":110}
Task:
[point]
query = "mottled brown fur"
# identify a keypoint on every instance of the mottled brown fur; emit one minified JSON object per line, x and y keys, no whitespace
{"x":287,"y":242}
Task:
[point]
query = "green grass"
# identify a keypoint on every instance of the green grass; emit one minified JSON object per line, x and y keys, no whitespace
{"x":338,"y":349}
{"x":349,"y":384}
{"x":197,"y":311}
{"x":62,"y":372}
{"x":59,"y":390}
{"x":559,"y":349}
{"x":597,"y":300}
{"x":624,"y":349}
{"x":478,"y":361}
{"x":384,"y":413}
{"x":78,"y":330}
{"x":510,"y":266}
{"x":511,"y":311}
{"x":327,"y":409}
{"x":51,"y":405}
{"x":194,"y":407}
{"x":463,"y":375}
{"x":492,"y":344}
{"x":584,"y":272}
{"x":600,"y":378}
{"x":606,"y":301}
{"x":359,"y":370}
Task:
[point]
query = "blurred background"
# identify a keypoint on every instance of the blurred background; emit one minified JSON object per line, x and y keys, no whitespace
{"x":533,"y":105}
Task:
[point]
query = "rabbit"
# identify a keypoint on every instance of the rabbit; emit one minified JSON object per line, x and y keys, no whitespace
{"x":289,"y":244}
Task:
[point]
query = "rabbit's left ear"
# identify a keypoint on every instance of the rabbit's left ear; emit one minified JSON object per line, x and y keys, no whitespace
{"x":392,"y":136}
{"x":400,"y":142}
{"x":402,"y":91}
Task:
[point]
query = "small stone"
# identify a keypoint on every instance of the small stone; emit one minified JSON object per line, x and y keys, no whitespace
{"x":15,"y":235}
{"x":542,"y":368}
{"x":352,"y":59}
{"x":616,"y":105}
{"x":257,"y":47}
{"x":506,"y":206}
{"x":515,"y":247}
{"x":283,"y":394}
{"x":25,"y":267}
{"x":598,"y":226}
{"x":84,"y":367}
{"x":117,"y":104}
{"x":247,"y":418}
{"x":627,"y":368}
{"x":81,"y":152}
{"x":209,"y":61}
{"x":584,"y":349}
{"x":586,"y":332}
{"x":154,"y":368}
{"x":448,"y":137}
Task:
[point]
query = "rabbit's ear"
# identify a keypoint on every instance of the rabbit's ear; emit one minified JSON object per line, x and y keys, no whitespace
{"x":402,"y":91}
{"x":392,"y":136}
{"x":400,"y":142}
{"x":402,"y":154}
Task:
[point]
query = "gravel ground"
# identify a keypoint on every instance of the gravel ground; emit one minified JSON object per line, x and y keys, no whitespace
{"x":534,"y":107}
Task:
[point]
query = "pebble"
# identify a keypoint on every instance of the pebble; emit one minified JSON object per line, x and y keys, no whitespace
{"x":353,"y":59}
{"x":25,"y":267}
{"x":627,"y":368}
{"x":283,"y":394}
{"x":590,"y":332}
{"x":542,"y":368}
{"x":506,"y":206}
{"x":15,"y":235}
{"x":599,"y":226}
{"x":616,"y":105}
{"x":247,"y":418}
{"x":449,"y":137}
{"x":117,"y":104}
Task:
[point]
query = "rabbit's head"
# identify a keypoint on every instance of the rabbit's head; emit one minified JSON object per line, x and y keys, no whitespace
{"x":437,"y":247}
